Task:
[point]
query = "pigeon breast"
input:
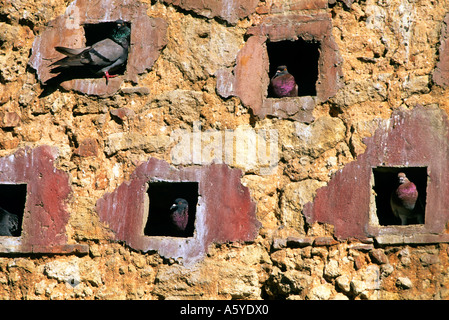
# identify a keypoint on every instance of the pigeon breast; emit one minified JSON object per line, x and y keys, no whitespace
{"x":284,"y":86}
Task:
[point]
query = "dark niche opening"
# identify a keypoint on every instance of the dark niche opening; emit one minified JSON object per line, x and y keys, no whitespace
{"x":301,"y":58}
{"x":386,"y":181}
{"x":162,"y":196}
{"x":12,"y":206}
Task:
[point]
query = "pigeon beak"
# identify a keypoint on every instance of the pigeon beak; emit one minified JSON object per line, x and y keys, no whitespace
{"x":173,"y":206}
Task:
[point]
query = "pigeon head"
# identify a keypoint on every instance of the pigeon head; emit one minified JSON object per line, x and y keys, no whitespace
{"x":281,"y":70}
{"x":179,"y":204}
{"x":402,"y":178}
{"x":121,"y":31}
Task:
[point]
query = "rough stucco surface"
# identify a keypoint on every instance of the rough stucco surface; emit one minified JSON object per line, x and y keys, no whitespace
{"x":441,"y":73}
{"x":202,"y":70}
{"x":229,"y":10}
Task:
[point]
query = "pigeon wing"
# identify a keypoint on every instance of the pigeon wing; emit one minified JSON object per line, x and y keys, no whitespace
{"x":70,"y":51}
{"x":8,"y":223}
{"x":102,"y":54}
{"x":106,"y":52}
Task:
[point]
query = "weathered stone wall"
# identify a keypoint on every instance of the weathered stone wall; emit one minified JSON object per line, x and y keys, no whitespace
{"x":386,"y":59}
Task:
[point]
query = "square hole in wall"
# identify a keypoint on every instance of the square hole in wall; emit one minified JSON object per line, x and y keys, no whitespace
{"x":12,"y":206}
{"x":93,"y":33}
{"x":386,"y":181}
{"x":301,"y":59}
{"x":162,"y":196}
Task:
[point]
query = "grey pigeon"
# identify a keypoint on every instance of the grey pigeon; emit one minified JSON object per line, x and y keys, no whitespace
{"x":404,"y":201}
{"x":102,"y":57}
{"x":180,"y":214}
{"x":283,"y":84}
{"x":9,"y":223}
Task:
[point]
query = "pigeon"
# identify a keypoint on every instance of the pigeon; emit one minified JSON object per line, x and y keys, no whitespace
{"x":9,"y":223}
{"x":283,"y":84}
{"x":180,"y":214}
{"x":102,"y":57}
{"x":404,"y":200}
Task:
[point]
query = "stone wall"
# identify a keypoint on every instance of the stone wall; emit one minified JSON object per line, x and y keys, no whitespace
{"x":285,"y":193}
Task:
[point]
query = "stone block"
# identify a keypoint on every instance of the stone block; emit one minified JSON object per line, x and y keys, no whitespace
{"x":123,"y":113}
{"x":249,"y":79}
{"x":129,"y":140}
{"x":378,"y":256}
{"x":323,"y":134}
{"x":87,"y":148}
{"x":9,"y":119}
{"x":404,"y":283}
{"x":295,"y":242}
{"x":324,"y":241}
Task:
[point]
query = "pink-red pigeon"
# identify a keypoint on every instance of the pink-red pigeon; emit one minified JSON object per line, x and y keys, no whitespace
{"x":180,"y":214}
{"x":283,"y":84}
{"x":404,"y":199}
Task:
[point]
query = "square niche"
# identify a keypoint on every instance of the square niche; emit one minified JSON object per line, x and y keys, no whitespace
{"x":161,"y":196}
{"x":85,"y":22}
{"x":385,"y":181}
{"x":303,"y":43}
{"x":220,"y":209}
{"x":301,"y":58}
{"x":12,"y":203}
